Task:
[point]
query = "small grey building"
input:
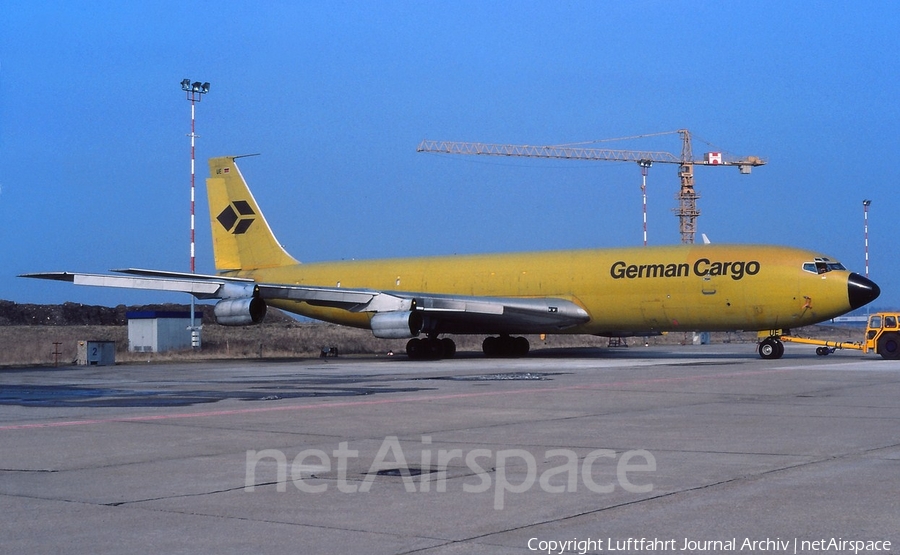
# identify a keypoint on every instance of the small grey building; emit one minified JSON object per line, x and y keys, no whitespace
{"x":96,"y":353}
{"x":158,"y":331}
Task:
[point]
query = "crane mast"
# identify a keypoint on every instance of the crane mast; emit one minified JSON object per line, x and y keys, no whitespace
{"x":687,"y":211}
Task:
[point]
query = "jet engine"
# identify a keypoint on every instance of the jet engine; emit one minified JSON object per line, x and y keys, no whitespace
{"x":240,"y":312}
{"x":396,"y":325}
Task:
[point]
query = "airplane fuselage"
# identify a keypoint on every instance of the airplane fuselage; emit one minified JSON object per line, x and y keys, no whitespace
{"x":624,"y":290}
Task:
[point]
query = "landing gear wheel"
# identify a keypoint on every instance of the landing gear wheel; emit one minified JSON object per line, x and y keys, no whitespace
{"x":520,"y":347}
{"x":434,"y":349}
{"x":771,"y":348}
{"x":414,"y":349}
{"x":505,"y":346}
{"x":449,"y":347}
{"x":889,"y":346}
{"x":430,"y":348}
{"x":491,"y":347}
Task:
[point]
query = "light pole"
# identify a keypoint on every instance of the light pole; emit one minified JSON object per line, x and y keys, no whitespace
{"x":194,"y":91}
{"x":866,"y":204}
{"x":645,"y":167}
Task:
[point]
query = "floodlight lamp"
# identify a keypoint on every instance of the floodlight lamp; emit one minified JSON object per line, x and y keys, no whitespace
{"x":204,"y":88}
{"x":186,"y":85}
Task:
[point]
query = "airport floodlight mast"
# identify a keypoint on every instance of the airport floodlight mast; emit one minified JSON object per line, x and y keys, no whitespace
{"x":866,"y":204}
{"x":194,"y":92}
{"x":645,"y":167}
{"x":687,"y":209}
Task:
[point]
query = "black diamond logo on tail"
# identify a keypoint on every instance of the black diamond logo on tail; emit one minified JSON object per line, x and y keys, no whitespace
{"x":228,"y":218}
{"x":237,"y":217}
{"x":243,"y":208}
{"x":242,"y":226}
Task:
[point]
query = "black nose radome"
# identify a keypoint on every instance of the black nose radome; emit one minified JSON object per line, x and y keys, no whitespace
{"x":861,"y":291}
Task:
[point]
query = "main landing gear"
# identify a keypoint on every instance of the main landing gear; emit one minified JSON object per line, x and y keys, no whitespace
{"x":771,"y":348}
{"x":434,"y":348}
{"x":430,"y":348}
{"x":505,"y":347}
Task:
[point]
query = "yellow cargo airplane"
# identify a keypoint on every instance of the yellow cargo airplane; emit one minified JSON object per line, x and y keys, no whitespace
{"x":608,"y":292}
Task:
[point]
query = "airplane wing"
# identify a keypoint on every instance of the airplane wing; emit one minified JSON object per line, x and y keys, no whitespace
{"x":451,"y":313}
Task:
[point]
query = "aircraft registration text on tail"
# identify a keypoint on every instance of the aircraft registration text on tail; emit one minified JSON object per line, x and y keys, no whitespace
{"x":612,"y":292}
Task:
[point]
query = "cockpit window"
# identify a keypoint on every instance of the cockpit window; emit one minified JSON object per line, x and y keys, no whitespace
{"x":822,"y":266}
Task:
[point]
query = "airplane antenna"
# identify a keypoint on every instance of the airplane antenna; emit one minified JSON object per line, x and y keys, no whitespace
{"x":194,"y":92}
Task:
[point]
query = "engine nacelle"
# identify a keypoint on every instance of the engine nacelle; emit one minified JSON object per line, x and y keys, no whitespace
{"x":240,"y":312}
{"x":396,"y":325}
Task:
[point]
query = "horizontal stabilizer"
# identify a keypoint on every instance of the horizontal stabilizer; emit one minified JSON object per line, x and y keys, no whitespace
{"x":202,"y":289}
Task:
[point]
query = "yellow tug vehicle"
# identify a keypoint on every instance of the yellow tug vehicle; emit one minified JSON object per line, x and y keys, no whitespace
{"x":882,"y":337}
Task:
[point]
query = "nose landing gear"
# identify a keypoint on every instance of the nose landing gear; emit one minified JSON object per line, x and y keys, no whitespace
{"x":771,"y":348}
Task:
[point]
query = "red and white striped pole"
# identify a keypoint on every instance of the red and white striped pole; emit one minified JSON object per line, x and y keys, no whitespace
{"x":194,"y":91}
{"x":645,"y":166}
{"x":193,"y":136}
{"x":866,"y":204}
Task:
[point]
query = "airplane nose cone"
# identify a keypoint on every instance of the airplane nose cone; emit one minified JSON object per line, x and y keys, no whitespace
{"x":861,"y":290}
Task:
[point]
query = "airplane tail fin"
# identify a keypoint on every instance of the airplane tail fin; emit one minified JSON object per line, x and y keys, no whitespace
{"x":242,"y":239}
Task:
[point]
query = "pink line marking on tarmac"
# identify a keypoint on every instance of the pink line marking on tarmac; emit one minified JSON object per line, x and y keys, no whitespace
{"x":415,"y":399}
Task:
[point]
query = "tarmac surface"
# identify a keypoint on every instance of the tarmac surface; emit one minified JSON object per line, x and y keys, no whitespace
{"x":567,"y":451}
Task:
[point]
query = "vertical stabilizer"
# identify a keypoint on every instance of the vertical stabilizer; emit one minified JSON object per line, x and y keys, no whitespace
{"x":242,"y":239}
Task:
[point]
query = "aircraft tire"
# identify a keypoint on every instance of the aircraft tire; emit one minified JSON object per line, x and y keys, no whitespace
{"x":491,"y":347}
{"x":771,"y":348}
{"x":505,"y":347}
{"x":889,"y":346}
{"x":521,"y":347}
{"x":430,"y":348}
{"x":437,"y":348}
{"x":414,"y":348}
{"x":449,"y":347}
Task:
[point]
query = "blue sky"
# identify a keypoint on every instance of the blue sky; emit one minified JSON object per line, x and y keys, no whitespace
{"x":95,"y":158}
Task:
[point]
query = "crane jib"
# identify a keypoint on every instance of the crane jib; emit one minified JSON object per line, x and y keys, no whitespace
{"x":687,"y":211}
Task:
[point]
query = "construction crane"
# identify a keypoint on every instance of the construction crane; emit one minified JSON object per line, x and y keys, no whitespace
{"x":687,"y":211}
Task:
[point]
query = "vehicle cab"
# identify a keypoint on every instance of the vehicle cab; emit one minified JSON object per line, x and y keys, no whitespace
{"x":883,"y":335}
